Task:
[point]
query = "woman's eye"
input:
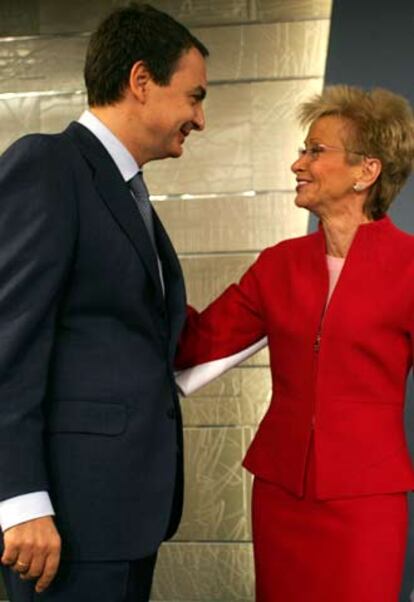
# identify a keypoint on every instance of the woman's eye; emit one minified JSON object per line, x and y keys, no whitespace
{"x":315,"y":151}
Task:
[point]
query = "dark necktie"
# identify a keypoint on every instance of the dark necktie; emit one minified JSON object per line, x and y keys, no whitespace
{"x":141,"y":196}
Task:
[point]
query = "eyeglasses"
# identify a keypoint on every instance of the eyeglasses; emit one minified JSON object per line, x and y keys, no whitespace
{"x":316,"y":150}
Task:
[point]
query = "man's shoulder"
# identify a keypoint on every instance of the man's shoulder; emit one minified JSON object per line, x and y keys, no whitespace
{"x":37,"y":145}
{"x":43,"y":156}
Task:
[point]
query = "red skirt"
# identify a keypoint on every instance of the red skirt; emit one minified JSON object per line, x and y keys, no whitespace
{"x":347,"y":550}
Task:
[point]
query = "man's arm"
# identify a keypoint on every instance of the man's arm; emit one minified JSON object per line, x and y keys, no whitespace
{"x":33,"y":550}
{"x":22,"y":508}
{"x":37,"y":234}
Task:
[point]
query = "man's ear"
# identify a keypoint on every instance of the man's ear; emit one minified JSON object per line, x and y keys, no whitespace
{"x":139,"y":79}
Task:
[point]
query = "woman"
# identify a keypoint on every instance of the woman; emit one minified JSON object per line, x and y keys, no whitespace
{"x":330,"y":460}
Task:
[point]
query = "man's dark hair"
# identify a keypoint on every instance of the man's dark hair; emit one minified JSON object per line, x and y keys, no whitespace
{"x":137,"y":32}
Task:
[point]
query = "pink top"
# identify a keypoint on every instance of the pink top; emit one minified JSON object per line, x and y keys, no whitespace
{"x":335,"y":265}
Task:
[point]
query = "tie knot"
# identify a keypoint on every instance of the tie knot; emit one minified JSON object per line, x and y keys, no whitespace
{"x":138,"y":187}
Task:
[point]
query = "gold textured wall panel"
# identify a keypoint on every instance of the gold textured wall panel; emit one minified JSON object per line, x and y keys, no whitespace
{"x":217,"y":492}
{"x":18,"y":116}
{"x":209,"y":12}
{"x":25,"y":114}
{"x":31,"y":17}
{"x":57,"y":111}
{"x":36,"y":64}
{"x":290,"y":10}
{"x":77,"y":15}
{"x":192,"y":12}
{"x":221,"y":572}
{"x":274,"y":50}
{"x":19,"y":17}
{"x":239,"y":397}
{"x":209,"y":275}
{"x":233,"y":223}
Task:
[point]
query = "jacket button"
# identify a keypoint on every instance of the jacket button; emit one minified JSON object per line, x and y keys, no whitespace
{"x":171,"y":413}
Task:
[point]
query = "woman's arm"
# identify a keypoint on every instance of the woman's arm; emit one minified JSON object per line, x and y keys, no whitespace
{"x":234,"y":322}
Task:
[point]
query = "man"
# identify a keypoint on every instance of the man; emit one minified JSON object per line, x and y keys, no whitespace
{"x":92,"y":302}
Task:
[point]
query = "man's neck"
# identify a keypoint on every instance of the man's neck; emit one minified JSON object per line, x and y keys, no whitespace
{"x":119,"y":121}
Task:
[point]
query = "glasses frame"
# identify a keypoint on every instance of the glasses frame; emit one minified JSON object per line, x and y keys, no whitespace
{"x":315,"y":150}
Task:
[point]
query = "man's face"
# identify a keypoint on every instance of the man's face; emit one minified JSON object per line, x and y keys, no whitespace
{"x":172,"y":111}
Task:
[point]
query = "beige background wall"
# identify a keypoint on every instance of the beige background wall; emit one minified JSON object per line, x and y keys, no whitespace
{"x":226,"y":199}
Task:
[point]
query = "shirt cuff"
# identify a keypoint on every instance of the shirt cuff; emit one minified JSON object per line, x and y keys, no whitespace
{"x":23,"y":508}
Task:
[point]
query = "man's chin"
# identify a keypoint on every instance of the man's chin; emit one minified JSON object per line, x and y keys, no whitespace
{"x":172,"y":153}
{"x":176,"y":152}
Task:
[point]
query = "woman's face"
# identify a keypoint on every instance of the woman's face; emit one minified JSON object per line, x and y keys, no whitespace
{"x":324,"y":177}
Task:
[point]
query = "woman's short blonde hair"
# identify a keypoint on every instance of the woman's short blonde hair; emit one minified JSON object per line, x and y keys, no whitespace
{"x":382,"y":126}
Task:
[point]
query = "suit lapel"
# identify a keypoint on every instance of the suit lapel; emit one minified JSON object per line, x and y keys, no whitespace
{"x":174,"y":283}
{"x":117,"y":197}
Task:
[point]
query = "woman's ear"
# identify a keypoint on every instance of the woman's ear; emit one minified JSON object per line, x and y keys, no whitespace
{"x":370,"y":171}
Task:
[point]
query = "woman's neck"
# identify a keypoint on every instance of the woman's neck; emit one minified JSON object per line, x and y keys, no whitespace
{"x":340,"y":232}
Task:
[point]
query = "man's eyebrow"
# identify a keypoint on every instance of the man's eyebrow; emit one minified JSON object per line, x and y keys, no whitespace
{"x":200,"y":92}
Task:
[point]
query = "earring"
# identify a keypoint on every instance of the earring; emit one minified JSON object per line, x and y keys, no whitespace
{"x":358,"y":187}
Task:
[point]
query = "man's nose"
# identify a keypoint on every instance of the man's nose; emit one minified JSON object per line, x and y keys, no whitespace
{"x":199,"y":121}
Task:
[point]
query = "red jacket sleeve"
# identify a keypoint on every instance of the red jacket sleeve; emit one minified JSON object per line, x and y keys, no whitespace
{"x":233,"y":321}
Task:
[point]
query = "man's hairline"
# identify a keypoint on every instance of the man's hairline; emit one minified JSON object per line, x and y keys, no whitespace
{"x":161,"y":84}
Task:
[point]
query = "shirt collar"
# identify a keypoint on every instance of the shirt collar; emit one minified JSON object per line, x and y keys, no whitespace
{"x":119,"y":153}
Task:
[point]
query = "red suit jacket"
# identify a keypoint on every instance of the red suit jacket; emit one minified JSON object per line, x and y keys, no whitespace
{"x":339,"y":374}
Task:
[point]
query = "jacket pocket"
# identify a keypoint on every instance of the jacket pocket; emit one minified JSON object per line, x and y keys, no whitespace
{"x":93,"y":417}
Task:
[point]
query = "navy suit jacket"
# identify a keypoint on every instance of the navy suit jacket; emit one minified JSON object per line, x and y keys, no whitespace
{"x":88,"y":405}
